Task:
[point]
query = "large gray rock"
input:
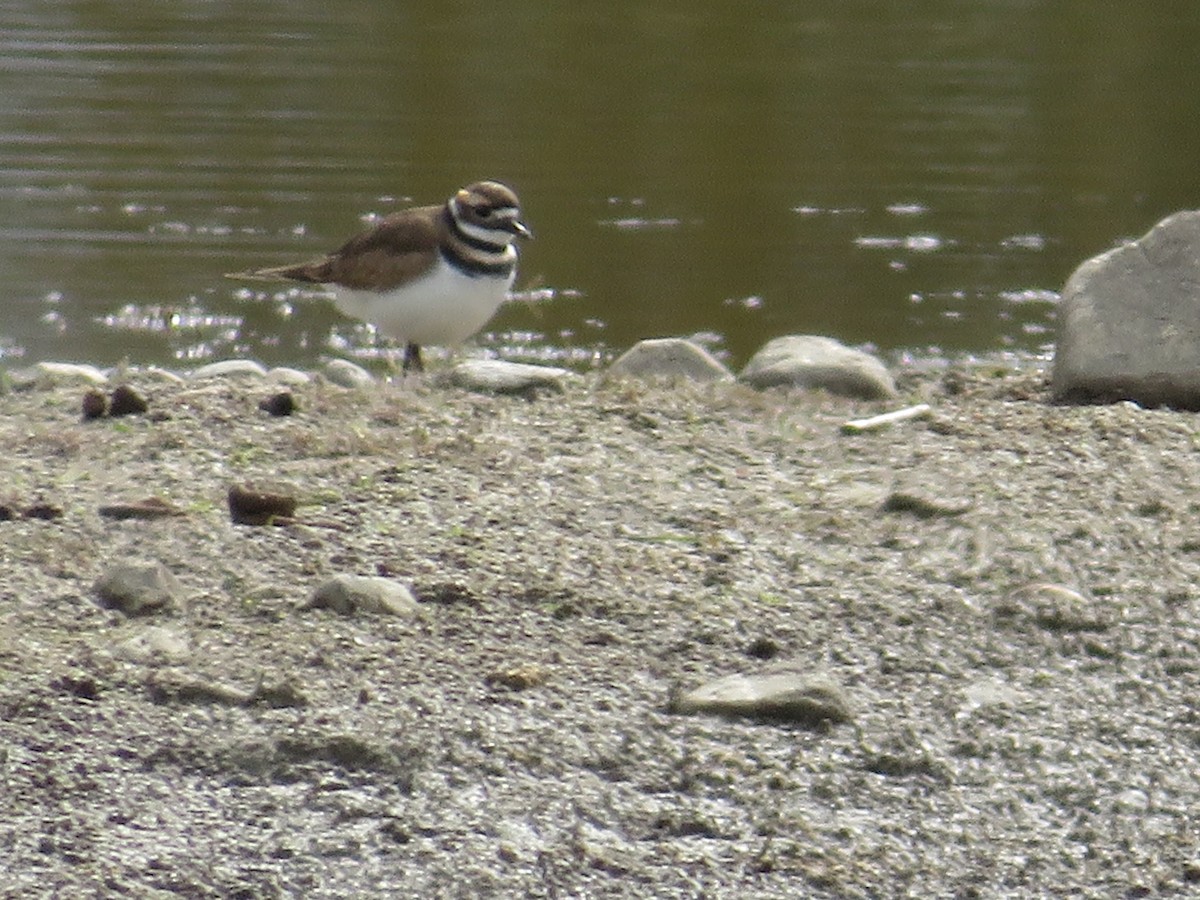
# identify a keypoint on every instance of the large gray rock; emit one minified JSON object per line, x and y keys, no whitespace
{"x":139,"y":589}
{"x":809,"y":362}
{"x":1129,"y":322}
{"x":670,"y":358}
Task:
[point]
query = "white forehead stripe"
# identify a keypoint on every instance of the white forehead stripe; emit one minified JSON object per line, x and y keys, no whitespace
{"x":497,"y":237}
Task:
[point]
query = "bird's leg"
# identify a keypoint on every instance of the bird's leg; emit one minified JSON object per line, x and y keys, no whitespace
{"x":412,"y":358}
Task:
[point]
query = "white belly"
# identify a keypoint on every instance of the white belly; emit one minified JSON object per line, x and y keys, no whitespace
{"x":444,"y":307}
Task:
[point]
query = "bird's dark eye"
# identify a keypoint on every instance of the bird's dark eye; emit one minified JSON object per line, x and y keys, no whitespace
{"x":483,"y":211}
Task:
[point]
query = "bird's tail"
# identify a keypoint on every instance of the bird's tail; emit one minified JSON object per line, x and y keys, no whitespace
{"x":303,"y":272}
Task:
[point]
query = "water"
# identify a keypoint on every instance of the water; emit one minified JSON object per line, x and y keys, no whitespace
{"x":918,"y":176}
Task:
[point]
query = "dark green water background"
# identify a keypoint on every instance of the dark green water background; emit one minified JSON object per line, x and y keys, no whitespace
{"x":918,"y":175}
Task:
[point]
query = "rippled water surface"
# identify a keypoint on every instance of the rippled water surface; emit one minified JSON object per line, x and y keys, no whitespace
{"x":919,"y":176}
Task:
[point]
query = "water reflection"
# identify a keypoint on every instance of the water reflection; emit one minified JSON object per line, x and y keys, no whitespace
{"x":886,"y":173}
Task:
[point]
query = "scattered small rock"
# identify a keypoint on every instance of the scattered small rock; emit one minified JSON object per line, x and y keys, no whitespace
{"x":811,"y":362}
{"x":149,"y":508}
{"x":248,"y":506}
{"x":154,"y":644}
{"x":517,"y":678}
{"x":346,"y":374}
{"x":139,"y":589}
{"x":288,"y":375}
{"x":350,"y":594}
{"x":670,"y":358}
{"x":904,"y":755}
{"x":46,"y":512}
{"x":227,"y":367}
{"x":782,"y":694}
{"x":170,"y":688}
{"x":991,"y":692}
{"x":127,"y":402}
{"x":284,"y":695}
{"x":923,"y":507}
{"x":85,"y":687}
{"x":449,"y":593}
{"x":1055,"y":607}
{"x":343,"y":750}
{"x":763,"y":648}
{"x":95,"y":405}
{"x":497,"y":376}
{"x":281,"y":404}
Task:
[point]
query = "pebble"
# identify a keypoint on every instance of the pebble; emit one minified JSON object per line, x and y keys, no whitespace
{"x":55,"y":372}
{"x":350,"y":594}
{"x":813,"y":362}
{"x":139,"y":589}
{"x":281,"y":404}
{"x":904,"y":754}
{"x":125,"y":401}
{"x":670,"y":358}
{"x":149,"y":508}
{"x":517,"y":678}
{"x":250,"y":506}
{"x":228,"y":367}
{"x":95,"y":405}
{"x":154,"y":644}
{"x":346,"y":374}
{"x":170,"y":688}
{"x":922,"y":506}
{"x":1055,"y":607}
{"x":986,"y":692}
{"x":46,"y":512}
{"x":497,"y":376}
{"x":289,"y":376}
{"x":782,"y":693}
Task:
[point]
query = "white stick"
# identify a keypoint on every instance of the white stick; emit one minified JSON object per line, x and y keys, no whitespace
{"x":857,"y":426}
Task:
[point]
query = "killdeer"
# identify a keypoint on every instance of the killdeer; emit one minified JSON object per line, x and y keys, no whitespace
{"x":429,"y":275}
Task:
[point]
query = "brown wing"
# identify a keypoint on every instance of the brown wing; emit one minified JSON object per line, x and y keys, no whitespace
{"x":401,"y":247}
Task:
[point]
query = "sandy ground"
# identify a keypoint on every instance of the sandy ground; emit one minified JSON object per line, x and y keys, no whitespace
{"x":1017,"y":639}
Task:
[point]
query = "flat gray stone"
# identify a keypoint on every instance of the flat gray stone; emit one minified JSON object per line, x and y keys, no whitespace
{"x":670,"y":358}
{"x":778,"y":694}
{"x":231,"y":367}
{"x":289,"y":376}
{"x":497,"y":376}
{"x":350,"y":594}
{"x":154,"y":644}
{"x":346,"y":374}
{"x":57,"y":372}
{"x":1129,"y":322}
{"x":812,"y":362}
{"x":139,"y":589}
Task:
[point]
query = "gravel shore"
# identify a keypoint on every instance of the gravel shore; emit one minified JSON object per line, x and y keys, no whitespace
{"x":1005,"y":591}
